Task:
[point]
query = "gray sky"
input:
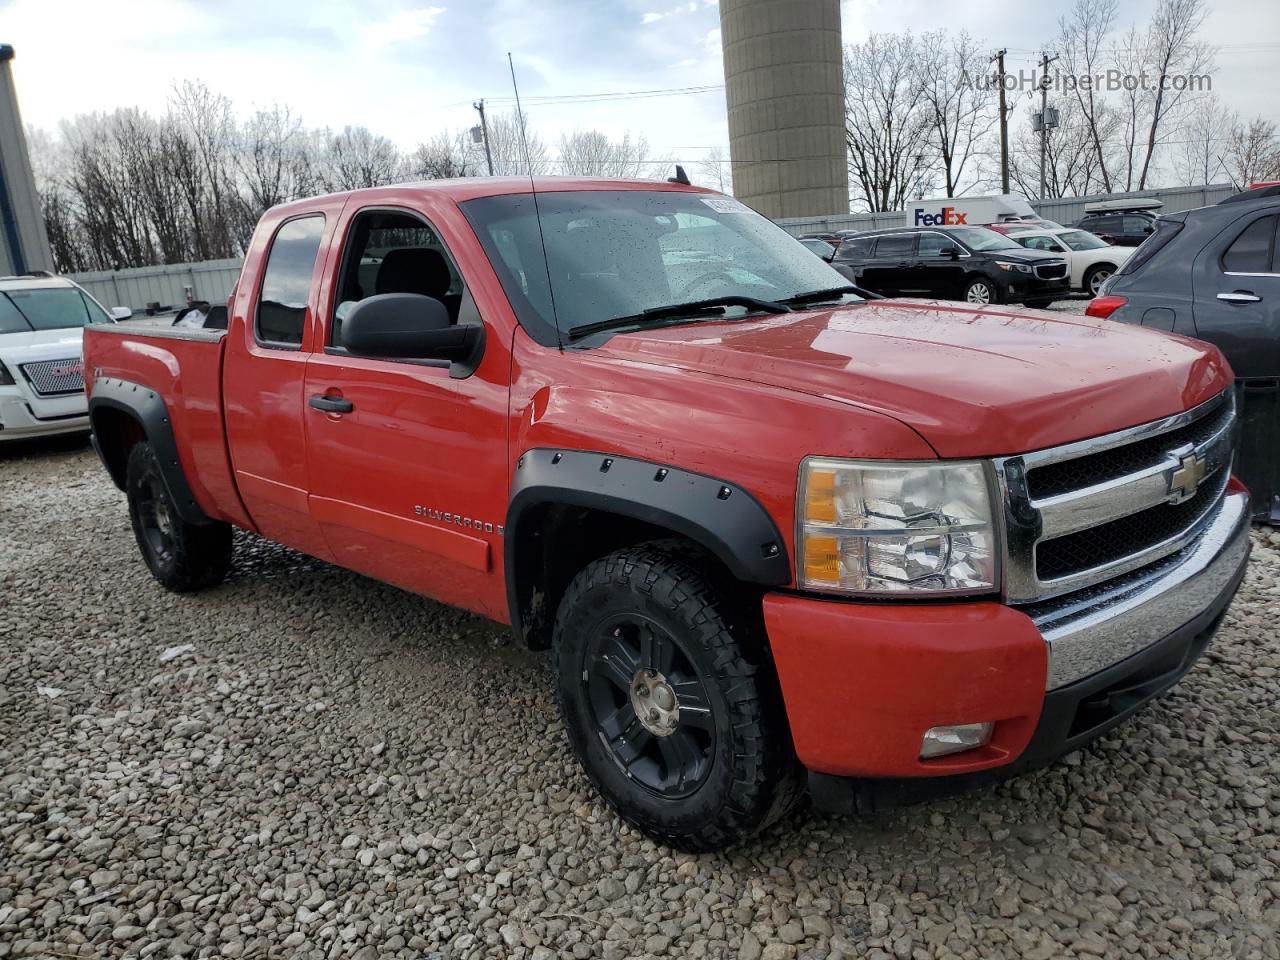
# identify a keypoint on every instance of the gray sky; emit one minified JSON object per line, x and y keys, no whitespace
{"x":410,"y":69}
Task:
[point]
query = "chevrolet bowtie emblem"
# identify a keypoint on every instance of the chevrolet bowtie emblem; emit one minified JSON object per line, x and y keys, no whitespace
{"x":1185,"y":480}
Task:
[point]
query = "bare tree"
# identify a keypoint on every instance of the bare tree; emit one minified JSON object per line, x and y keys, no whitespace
{"x":508,"y":150}
{"x":886,"y":121}
{"x":203,"y":124}
{"x":1174,"y":55}
{"x":1253,"y":152}
{"x":1072,"y":167}
{"x":960,"y":109}
{"x":1080,"y":37}
{"x":1205,"y":135}
{"x":717,"y":170}
{"x":357,"y":157}
{"x":591,"y":153}
{"x":444,"y":156}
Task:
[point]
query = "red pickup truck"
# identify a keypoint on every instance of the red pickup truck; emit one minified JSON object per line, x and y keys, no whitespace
{"x":776,"y":533}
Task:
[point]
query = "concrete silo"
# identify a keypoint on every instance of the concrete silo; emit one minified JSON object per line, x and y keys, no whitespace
{"x":23,"y":243}
{"x":785,"y":92}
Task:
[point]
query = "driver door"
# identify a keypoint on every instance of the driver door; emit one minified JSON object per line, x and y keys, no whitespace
{"x":409,"y":472}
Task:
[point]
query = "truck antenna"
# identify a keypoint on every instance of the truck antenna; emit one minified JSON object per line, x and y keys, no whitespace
{"x":524,"y":139}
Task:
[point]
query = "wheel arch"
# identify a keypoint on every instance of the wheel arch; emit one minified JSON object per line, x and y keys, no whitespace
{"x":123,"y":414}
{"x":571,"y":507}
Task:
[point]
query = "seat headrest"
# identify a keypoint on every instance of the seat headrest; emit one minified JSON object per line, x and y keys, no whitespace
{"x":414,"y":270}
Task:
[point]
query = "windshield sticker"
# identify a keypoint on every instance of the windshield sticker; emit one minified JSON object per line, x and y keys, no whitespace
{"x":726,"y":205}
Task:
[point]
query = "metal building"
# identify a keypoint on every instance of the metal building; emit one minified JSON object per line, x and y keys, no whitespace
{"x":785,"y":91}
{"x":24,"y":246}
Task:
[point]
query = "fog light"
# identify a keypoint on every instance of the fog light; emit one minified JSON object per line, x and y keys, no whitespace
{"x":955,"y":738}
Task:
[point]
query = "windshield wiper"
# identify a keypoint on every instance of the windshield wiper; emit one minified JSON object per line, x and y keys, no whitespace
{"x":693,"y":309}
{"x":816,"y":296}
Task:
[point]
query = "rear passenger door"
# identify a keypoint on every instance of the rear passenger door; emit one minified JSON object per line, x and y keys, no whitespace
{"x":264,"y":371}
{"x":937,"y":275}
{"x":1237,"y":295}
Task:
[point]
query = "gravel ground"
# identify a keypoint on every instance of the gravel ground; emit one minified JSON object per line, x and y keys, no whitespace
{"x":305,"y":763}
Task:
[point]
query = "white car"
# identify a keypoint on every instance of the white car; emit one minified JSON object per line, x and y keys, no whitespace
{"x":42,"y":321}
{"x":1091,"y":259}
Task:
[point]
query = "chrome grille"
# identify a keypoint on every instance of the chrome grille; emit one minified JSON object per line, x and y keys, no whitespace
{"x":1082,"y":513}
{"x":54,"y":378}
{"x":1052,"y":271}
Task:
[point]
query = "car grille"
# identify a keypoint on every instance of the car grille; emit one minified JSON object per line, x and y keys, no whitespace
{"x":1052,"y":271}
{"x":55,"y":378}
{"x":1086,"y":512}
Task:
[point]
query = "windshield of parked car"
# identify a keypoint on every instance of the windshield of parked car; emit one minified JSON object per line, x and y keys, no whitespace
{"x":617,"y":253}
{"x":1082,"y":240}
{"x":47,"y":308}
{"x":980,"y":238}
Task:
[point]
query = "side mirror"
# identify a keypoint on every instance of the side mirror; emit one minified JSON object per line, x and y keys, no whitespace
{"x":121,"y":313}
{"x":951,"y":253}
{"x":407,"y":326}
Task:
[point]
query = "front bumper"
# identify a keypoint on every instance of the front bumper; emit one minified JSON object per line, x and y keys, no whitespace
{"x":863,"y":682}
{"x":17,"y":421}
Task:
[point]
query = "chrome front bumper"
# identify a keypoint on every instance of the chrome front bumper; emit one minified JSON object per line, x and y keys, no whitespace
{"x":1093,"y":629}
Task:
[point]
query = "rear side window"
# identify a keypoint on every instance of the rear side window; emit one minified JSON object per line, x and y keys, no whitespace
{"x":895,"y":246}
{"x":286,"y":283}
{"x":1136,"y":225}
{"x":1254,"y":250}
{"x":1166,"y":230}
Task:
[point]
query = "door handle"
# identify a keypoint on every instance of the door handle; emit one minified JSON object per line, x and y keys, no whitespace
{"x":331,"y":404}
{"x":1239,"y":296}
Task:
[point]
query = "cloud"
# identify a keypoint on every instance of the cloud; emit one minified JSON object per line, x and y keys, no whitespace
{"x":652,"y":17}
{"x":407,"y":25}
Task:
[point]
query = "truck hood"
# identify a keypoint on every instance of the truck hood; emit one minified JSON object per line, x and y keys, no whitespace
{"x":32,"y":345}
{"x":972,"y":382}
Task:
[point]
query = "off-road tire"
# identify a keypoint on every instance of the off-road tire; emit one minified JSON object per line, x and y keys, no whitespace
{"x":751,"y":775}
{"x":182,"y":556}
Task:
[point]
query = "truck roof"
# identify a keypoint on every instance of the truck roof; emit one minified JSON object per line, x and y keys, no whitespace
{"x":33,"y":283}
{"x":468,"y":188}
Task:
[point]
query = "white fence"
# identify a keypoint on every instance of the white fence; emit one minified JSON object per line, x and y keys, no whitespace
{"x":166,"y":285}
{"x":1064,"y":211}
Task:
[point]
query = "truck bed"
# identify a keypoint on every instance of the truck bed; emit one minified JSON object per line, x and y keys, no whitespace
{"x":184,"y":367}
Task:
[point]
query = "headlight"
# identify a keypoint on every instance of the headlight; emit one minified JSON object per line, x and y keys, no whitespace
{"x":894,"y":528}
{"x":1009,"y":265}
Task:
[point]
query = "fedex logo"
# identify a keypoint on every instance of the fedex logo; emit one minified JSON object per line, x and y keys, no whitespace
{"x":949,"y":217}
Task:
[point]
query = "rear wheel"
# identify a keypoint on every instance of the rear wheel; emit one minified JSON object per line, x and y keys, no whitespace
{"x":670,"y":702}
{"x":181,"y":556}
{"x":981,"y":291}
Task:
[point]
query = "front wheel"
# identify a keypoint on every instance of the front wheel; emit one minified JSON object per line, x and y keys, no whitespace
{"x":671,"y":705}
{"x":182,"y":556}
{"x":981,"y":291}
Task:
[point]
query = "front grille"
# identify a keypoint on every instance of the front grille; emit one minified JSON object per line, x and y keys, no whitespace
{"x":1097,"y":546}
{"x":55,"y":378}
{"x":1092,"y":469}
{"x":1052,"y":271}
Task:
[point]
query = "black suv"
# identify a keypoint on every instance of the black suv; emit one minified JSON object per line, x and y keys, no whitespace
{"x":952,"y":263}
{"x":1214,"y":273}
{"x":1119,"y":229}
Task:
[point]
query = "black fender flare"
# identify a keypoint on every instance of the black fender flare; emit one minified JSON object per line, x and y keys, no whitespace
{"x":147,"y":407}
{"x":720,"y":516}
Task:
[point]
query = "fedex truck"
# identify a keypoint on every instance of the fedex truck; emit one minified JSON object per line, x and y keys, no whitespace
{"x":969,"y":211}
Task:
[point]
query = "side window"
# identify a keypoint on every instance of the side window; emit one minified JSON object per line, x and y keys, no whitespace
{"x":899,"y":246}
{"x":1136,"y":226}
{"x":858,"y":248}
{"x":392,"y":252}
{"x":1253,"y":251}
{"x":932,"y":244}
{"x":1105,"y":225}
{"x":286,"y":283}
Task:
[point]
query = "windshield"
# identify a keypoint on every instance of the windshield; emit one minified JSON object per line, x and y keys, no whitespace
{"x":980,"y":238}
{"x":617,"y":253}
{"x":47,"y":308}
{"x":1081,"y":240}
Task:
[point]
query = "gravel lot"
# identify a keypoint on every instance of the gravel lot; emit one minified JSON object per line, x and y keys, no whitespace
{"x":304,"y":763}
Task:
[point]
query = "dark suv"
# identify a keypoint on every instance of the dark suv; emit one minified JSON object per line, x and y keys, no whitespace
{"x":1120,"y":229}
{"x":952,"y":263}
{"x":1214,"y":273}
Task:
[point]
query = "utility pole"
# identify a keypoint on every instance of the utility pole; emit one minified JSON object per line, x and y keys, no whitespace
{"x":1004,"y":122}
{"x":484,"y":132}
{"x":1044,"y":123}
